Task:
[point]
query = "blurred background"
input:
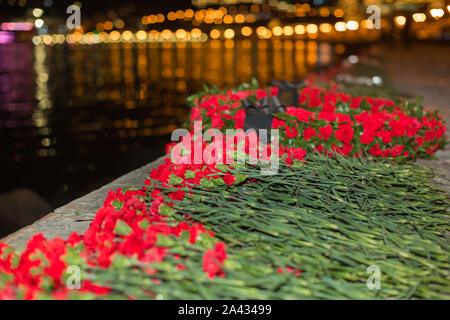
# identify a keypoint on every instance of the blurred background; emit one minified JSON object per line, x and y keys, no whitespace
{"x":80,"y":107}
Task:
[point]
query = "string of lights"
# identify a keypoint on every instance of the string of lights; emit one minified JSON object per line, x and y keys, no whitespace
{"x":260,"y":20}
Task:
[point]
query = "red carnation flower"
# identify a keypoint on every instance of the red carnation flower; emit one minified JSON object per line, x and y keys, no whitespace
{"x":274,"y":91}
{"x":355,"y":103}
{"x":308,"y":133}
{"x":327,"y":116}
{"x":344,"y":133}
{"x":213,"y":260}
{"x":291,"y":132}
{"x":386,"y":136}
{"x":367,"y":137}
{"x":260,"y":94}
{"x":375,"y":151}
{"x":326,"y":131}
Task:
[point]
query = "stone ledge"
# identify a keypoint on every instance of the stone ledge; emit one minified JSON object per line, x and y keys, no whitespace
{"x":78,"y":214}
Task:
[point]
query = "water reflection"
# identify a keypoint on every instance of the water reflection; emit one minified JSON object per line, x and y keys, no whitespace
{"x":73,"y":118}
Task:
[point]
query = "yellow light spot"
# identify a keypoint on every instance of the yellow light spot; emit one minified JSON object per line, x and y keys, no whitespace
{"x":180,"y":34}
{"x":288,"y":31}
{"x":160,"y":18}
{"x":224,"y":10}
{"x":37,"y":40}
{"x":108,"y":25}
{"x":228,"y":19}
{"x":144,"y":20}
{"x":419,"y":17}
{"x":37,"y":12}
{"x":400,"y":20}
{"x":437,"y":13}
{"x":141,"y":35}
{"x":325,"y":27}
{"x":311,"y":28}
{"x":103,"y":36}
{"x":209,"y":19}
{"x":338,"y":13}
{"x":368,"y":24}
{"x":352,"y":25}
{"x":179,"y":14}
{"x":215,"y":34}
{"x":166,"y":34}
{"x":120,"y":24}
{"x":340,"y":26}
{"x":239,"y":18}
{"x":77,"y":36}
{"x":47,"y":39}
{"x":324,"y":12}
{"x":246,"y":31}
{"x":263,"y":32}
{"x":189,"y":13}
{"x":229,"y":33}
{"x":127,"y":35}
{"x":277,"y":31}
{"x":171,"y":16}
{"x":300,"y":29}
{"x":114,"y":36}
{"x":196,"y":33}
{"x":218,"y":14}
{"x":200,"y":15}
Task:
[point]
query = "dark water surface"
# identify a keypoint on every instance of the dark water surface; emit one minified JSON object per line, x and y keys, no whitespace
{"x":74,"y":118}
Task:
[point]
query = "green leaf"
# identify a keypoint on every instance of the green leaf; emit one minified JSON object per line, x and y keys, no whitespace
{"x":175,"y":180}
{"x":254,"y":84}
{"x":46,"y":283}
{"x":165,"y":241}
{"x":121,"y":262}
{"x":190,"y":101}
{"x":144,"y":224}
{"x":118,"y":205}
{"x":166,"y":210}
{"x":240,"y":178}
{"x":223,"y":167}
{"x":122,"y":228}
{"x":189,"y":174}
{"x":219,"y":181}
{"x":73,"y":257}
{"x":206,"y":183}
